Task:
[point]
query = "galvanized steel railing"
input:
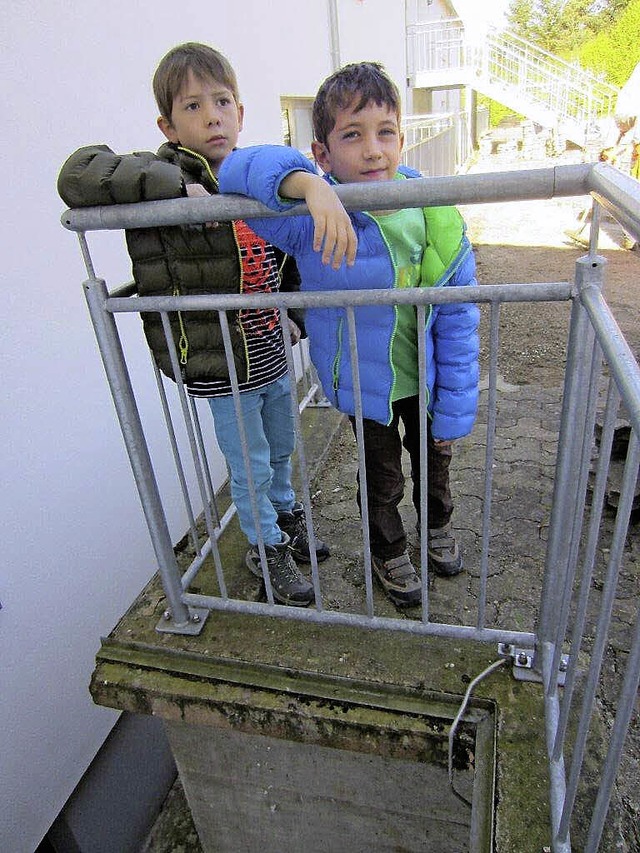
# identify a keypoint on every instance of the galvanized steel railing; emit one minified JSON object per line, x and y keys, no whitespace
{"x":440,"y":143}
{"x":594,"y":339}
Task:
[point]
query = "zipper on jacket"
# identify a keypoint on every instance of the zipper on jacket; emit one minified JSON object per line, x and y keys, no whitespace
{"x":202,"y":160}
{"x":183,"y":341}
{"x":214,"y":179}
{"x":395,"y":319}
{"x":337,"y":359}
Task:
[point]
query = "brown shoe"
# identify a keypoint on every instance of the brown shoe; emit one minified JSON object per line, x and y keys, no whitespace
{"x":399,"y":579}
{"x":443,"y":552}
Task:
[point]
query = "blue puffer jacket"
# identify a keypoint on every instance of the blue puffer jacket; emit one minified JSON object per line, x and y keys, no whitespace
{"x":451,"y":329}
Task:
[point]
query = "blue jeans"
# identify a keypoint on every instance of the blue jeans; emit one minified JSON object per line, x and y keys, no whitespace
{"x":269,"y":428}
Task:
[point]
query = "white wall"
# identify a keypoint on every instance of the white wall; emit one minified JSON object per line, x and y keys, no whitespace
{"x":374,"y":30}
{"x":75,"y":547}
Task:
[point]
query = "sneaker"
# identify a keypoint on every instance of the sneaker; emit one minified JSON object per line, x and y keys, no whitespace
{"x":288,"y":585}
{"x":443,"y":552}
{"x":399,"y":579}
{"x":294,"y":524}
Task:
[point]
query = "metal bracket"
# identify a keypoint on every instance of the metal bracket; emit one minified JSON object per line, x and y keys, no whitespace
{"x":523,"y":663}
{"x":193,"y":626}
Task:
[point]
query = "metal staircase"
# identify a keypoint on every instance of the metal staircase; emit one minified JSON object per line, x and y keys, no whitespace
{"x":512,"y":71}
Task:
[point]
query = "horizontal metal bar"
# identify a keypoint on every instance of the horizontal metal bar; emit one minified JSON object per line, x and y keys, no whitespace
{"x":560,"y":291}
{"x":619,"y":194}
{"x":420,"y":192}
{"x":382,"y":623}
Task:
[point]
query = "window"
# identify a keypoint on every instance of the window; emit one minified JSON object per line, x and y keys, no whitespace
{"x":297,"y":127}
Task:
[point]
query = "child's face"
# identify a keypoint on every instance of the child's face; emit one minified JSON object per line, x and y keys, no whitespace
{"x":204,"y":118}
{"x":363,"y":145}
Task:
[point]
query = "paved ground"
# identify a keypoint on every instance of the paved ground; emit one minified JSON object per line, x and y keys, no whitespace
{"x":516,"y":242}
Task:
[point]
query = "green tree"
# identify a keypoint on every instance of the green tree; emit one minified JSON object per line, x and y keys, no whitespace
{"x":563,"y":26}
{"x":521,"y":18}
{"x":615,"y":50}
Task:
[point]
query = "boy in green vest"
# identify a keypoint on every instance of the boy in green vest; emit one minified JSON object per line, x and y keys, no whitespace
{"x":356,"y":118}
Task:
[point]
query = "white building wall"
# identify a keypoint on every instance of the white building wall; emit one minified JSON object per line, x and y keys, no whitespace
{"x":374,"y":30}
{"x":75,"y":547}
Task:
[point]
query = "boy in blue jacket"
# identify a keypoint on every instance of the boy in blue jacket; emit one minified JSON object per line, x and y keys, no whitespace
{"x":356,"y":118}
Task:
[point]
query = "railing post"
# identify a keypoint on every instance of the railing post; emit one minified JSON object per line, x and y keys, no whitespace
{"x":566,"y":501}
{"x":178,"y":618}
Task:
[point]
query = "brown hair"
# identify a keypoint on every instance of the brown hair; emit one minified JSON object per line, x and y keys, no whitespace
{"x":367,"y":81}
{"x":203,"y":61}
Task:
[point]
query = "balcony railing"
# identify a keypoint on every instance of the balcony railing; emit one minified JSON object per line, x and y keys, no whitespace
{"x":440,"y":144}
{"x":549,"y":646}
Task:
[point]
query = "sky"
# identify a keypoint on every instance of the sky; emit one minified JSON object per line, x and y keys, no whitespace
{"x":482,"y":13}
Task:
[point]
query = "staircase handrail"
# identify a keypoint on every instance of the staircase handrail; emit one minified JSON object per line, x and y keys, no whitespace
{"x":607,"y":91}
{"x":501,"y":58}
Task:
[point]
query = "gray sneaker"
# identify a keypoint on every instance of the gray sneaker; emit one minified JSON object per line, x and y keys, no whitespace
{"x":288,"y":585}
{"x":294,"y":524}
{"x":399,"y":579}
{"x":443,"y":552}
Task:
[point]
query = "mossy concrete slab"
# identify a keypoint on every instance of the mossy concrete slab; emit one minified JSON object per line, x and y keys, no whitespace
{"x":380,"y":693}
{"x":368,"y":693}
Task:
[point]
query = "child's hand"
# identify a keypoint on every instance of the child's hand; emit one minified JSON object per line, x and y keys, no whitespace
{"x":333,"y":232}
{"x":294,"y":331}
{"x":443,"y":442}
{"x":198,"y":191}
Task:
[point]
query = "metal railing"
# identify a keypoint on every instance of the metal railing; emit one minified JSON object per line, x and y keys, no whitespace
{"x":514,"y":72}
{"x":439,"y":144}
{"x":552,"y":647}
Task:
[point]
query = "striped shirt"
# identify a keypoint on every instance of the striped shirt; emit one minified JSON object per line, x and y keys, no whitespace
{"x":261,"y":328}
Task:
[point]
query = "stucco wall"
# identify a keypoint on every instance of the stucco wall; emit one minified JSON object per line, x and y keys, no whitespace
{"x":76,"y":549}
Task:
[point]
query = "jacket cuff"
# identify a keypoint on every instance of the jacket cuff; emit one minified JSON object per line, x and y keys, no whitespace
{"x":258,"y":172}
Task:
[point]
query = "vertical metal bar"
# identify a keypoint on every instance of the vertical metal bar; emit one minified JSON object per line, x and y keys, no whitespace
{"x":86,"y":256}
{"x":424,"y":464}
{"x":186,"y":415}
{"x":564,"y":501}
{"x":123,"y":397}
{"x":588,"y":563}
{"x":193,"y":532}
{"x":334,"y":34}
{"x":303,"y":353}
{"x":242,"y":434}
{"x":492,"y":401}
{"x":624,"y":713}
{"x":206,"y":472}
{"x":557,"y":546}
{"x":194,"y":451}
{"x":557,"y":775}
{"x":364,"y":501}
{"x":583,"y":436}
{"x":302,"y":459}
{"x":602,"y":628}
{"x":594,"y":230}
